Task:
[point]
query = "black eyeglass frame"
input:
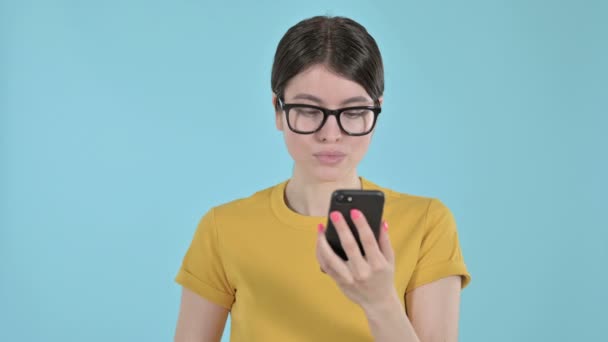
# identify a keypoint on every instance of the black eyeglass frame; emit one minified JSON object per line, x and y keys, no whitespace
{"x":326,"y":113}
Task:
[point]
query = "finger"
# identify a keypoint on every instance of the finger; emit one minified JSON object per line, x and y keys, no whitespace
{"x":348,"y":242}
{"x":367,"y":237}
{"x":330,"y":262}
{"x":320,"y":259}
{"x":385,"y":244}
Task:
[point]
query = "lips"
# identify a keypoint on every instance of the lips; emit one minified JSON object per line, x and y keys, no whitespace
{"x":330,"y":157}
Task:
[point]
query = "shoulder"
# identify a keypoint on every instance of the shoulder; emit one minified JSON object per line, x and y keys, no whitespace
{"x":254,"y":204}
{"x":409,"y":204}
{"x":399,"y":198}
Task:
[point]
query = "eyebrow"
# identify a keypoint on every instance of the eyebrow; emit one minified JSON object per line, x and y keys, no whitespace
{"x":303,"y":96}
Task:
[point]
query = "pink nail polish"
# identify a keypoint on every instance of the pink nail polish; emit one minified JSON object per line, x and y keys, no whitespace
{"x":355,"y":214}
{"x":385,"y":226}
{"x":320,"y":227}
{"x":335,"y":216}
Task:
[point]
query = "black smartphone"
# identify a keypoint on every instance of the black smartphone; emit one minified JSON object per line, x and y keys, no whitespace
{"x":369,"y":202}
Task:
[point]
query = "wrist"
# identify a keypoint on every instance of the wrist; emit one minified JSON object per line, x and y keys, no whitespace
{"x":384,"y":306}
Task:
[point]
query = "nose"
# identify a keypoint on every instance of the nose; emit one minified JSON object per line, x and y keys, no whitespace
{"x":330,"y":131}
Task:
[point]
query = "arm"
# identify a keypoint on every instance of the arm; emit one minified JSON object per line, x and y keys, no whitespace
{"x":199,"y":319}
{"x":433,"y":311}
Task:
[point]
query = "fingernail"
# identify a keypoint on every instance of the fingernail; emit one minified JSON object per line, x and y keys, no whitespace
{"x":335,"y":216}
{"x":320,"y":227}
{"x":355,"y":214}
{"x":385,"y":226}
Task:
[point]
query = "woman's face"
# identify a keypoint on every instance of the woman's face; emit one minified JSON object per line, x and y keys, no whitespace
{"x":328,"y":154}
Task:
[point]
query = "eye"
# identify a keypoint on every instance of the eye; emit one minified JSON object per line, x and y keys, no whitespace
{"x":307,"y":111}
{"x":354,"y":114}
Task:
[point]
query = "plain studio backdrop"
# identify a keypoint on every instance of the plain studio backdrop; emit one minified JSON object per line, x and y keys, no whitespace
{"x":123,"y":122}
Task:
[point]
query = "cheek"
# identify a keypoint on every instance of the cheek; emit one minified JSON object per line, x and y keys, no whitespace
{"x":359,"y":146}
{"x":297,"y":145}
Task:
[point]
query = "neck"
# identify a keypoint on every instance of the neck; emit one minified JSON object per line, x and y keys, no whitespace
{"x":310,"y":196}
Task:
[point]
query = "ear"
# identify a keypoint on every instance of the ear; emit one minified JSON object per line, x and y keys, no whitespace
{"x":278,"y":118}
{"x":380,"y":101}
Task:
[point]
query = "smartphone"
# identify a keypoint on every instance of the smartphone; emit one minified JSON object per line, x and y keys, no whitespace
{"x":369,"y":202}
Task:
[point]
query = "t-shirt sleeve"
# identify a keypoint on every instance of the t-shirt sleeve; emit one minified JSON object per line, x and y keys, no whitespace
{"x":202,"y":270}
{"x":440,"y":254}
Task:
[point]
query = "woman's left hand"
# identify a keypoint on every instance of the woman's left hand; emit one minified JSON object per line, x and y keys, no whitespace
{"x":367,"y":281}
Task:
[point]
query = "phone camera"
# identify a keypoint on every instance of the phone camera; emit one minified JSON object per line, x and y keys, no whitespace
{"x":342,"y":198}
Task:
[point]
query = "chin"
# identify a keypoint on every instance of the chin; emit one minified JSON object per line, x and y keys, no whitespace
{"x":329,"y":174}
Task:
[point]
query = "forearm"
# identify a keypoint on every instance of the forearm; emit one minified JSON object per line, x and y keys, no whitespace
{"x":388,"y":322}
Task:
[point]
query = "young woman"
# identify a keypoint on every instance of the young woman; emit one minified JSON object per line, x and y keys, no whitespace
{"x":265,"y":258}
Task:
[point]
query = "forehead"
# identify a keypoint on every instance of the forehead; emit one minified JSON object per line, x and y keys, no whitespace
{"x":324,"y":84}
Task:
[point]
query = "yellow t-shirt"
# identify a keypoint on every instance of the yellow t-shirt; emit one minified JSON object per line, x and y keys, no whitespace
{"x":256,"y":257}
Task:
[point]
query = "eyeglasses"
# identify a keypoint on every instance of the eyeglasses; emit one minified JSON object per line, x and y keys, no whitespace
{"x":308,"y":119}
